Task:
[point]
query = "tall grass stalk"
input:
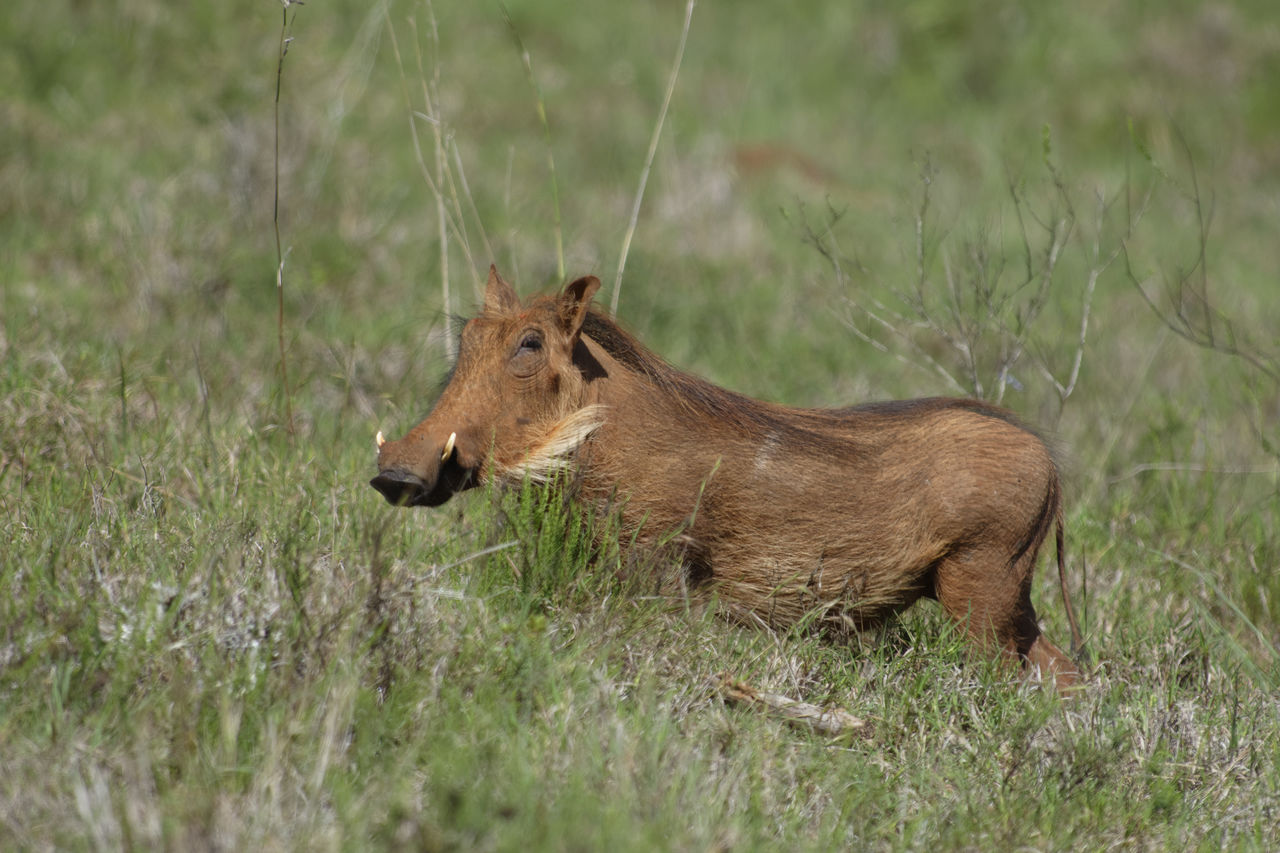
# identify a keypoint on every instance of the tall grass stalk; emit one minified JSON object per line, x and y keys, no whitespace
{"x":286,"y":22}
{"x":648,"y":159}
{"x":441,"y":182}
{"x":1259,"y":663}
{"x":440,"y":161}
{"x":546,"y":133}
{"x":449,"y":172}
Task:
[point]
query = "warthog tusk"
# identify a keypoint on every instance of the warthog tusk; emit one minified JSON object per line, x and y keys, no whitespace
{"x":448,"y":447}
{"x":379,"y":440}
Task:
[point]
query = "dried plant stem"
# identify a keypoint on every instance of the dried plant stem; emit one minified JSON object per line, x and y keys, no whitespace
{"x":285,"y":39}
{"x":648,"y":160}
{"x":828,"y":245}
{"x":1097,"y":266}
{"x":1188,"y":311}
{"x":475,"y":213}
{"x":446,"y":173}
{"x":829,"y":721}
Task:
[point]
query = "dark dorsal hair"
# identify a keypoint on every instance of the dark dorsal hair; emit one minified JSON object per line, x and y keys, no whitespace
{"x":690,"y":392}
{"x":701,"y":397}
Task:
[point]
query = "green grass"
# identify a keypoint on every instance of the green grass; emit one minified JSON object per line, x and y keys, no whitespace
{"x":214,"y":634}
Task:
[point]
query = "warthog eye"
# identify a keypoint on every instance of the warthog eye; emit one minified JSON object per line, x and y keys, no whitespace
{"x":528,"y":358}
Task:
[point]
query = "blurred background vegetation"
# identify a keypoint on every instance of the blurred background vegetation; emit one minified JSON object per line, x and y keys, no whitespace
{"x":850,"y":201}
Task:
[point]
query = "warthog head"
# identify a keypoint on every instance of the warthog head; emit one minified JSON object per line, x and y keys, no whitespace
{"x":513,"y":406}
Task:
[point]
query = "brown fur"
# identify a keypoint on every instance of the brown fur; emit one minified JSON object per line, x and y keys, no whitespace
{"x":845,"y":515}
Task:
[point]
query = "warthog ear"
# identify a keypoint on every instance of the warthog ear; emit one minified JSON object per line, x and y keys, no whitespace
{"x":499,"y":298}
{"x":574,"y":301}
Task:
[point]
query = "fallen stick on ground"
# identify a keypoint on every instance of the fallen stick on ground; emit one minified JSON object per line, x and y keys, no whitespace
{"x":827,"y":721}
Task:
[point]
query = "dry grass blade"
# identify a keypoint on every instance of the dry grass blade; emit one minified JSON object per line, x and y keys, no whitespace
{"x":441,"y":216}
{"x":439,"y":176}
{"x":546,"y":132}
{"x":648,"y":160}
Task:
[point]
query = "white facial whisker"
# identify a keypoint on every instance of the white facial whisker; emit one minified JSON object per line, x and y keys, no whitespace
{"x":555,"y":451}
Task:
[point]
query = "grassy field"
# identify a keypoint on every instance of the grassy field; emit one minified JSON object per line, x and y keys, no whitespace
{"x":215,"y":635}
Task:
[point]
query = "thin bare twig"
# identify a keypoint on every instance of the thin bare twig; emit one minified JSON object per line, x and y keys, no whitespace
{"x":829,"y":721}
{"x":827,"y":245}
{"x":1190,"y":313}
{"x":984,"y":309}
{"x":1097,"y":266}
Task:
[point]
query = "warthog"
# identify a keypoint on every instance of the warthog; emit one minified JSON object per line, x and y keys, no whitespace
{"x":841,"y":516}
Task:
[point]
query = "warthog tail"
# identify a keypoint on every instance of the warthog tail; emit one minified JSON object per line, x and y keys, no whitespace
{"x":1078,"y":650}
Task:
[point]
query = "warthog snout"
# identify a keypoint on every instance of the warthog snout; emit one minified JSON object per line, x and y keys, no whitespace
{"x":409,"y":474}
{"x":401,"y":488}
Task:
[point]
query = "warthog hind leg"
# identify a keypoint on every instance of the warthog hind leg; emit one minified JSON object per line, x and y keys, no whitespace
{"x":991,"y":599}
